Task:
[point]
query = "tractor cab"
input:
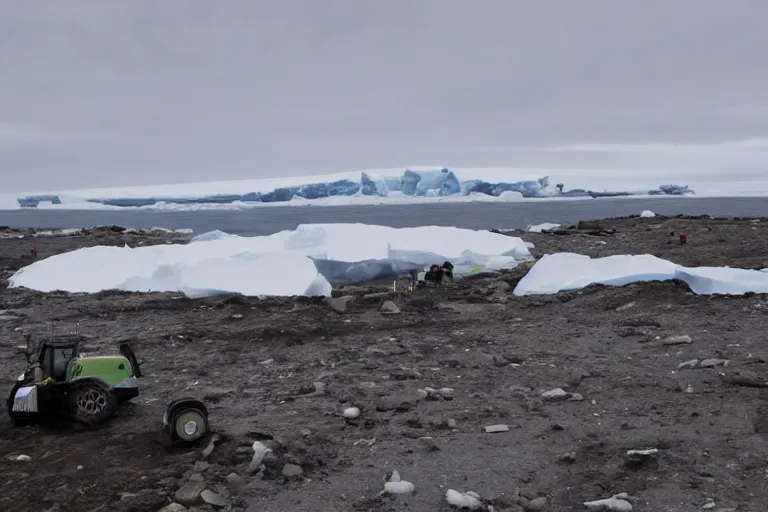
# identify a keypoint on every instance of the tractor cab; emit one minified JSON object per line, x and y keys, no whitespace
{"x":53,"y":358}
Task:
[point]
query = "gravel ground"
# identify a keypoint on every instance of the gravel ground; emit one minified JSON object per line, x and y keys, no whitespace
{"x":282,"y":371}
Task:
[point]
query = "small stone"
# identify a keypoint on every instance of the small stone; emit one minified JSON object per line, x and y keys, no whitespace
{"x":389,"y":308}
{"x":555,"y":394}
{"x":576,"y":397}
{"x":709,"y":505}
{"x":237,"y":316}
{"x":501,"y":285}
{"x":339,"y":304}
{"x":173,"y":507}
{"x":691,"y":363}
{"x":567,"y":458}
{"x":211,"y":446}
{"x":351,"y":413}
{"x":712,"y":362}
{"x":452,"y":423}
{"x":493,"y":429}
{"x":429,"y":444}
{"x":235,"y":481}
{"x":212,"y":498}
{"x":642,"y":459}
{"x":189,"y":494}
{"x":260,"y":450}
{"x":536,"y":504}
{"x":677,"y":340}
{"x":616,"y":503}
{"x":292,"y":471}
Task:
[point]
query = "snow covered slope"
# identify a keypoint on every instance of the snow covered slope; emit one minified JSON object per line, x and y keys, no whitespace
{"x":367,"y":187}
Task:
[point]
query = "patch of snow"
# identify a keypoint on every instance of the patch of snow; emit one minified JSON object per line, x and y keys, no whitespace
{"x":397,"y":485}
{"x":546,"y":226}
{"x":469,"y":500}
{"x":647,"y":214}
{"x":568,"y":271}
{"x":297,"y":262}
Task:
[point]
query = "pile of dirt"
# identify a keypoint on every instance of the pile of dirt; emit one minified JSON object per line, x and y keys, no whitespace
{"x":534,"y":403}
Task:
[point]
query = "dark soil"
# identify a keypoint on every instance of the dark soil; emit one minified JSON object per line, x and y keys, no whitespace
{"x":256,"y":364}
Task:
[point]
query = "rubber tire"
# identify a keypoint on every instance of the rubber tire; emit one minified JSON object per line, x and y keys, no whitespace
{"x":87,"y":386}
{"x":190,"y":415}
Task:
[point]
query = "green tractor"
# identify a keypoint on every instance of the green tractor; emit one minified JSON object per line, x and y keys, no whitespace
{"x":60,"y":382}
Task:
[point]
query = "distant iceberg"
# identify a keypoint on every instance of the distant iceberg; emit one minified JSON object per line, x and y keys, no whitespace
{"x":408,"y":183}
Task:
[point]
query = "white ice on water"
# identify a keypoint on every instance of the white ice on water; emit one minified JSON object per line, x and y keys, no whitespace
{"x":297,"y":262}
{"x":647,"y":214}
{"x":569,"y":271}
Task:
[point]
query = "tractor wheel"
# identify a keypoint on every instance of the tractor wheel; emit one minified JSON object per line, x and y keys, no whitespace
{"x":190,"y":425}
{"x":91,"y":402}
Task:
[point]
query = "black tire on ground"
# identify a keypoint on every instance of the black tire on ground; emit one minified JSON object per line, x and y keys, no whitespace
{"x":189,"y":424}
{"x":91,"y":402}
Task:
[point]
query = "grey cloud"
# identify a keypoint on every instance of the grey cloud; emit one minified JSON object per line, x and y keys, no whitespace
{"x":188,"y":90}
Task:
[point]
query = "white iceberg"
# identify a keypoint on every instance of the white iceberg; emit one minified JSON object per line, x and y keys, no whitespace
{"x":568,"y":271}
{"x":298,"y":262}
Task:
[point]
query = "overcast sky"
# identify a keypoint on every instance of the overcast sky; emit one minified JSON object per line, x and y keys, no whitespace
{"x":123,"y":92}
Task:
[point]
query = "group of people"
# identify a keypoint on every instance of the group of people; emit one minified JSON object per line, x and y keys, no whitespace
{"x":437,"y":274}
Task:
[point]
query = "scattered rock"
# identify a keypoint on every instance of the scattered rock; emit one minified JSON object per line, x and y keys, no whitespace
{"x":493,"y":429}
{"x":215,"y":499}
{"x":394,"y":403}
{"x":500,"y":285}
{"x":211,"y":446}
{"x":388,"y":307}
{"x":235,"y":482}
{"x":642,"y":459}
{"x":567,"y":458}
{"x":260,"y":450}
{"x":351,"y":413}
{"x":555,"y":394}
{"x":616,"y":503}
{"x":189,"y":493}
{"x":559,"y":395}
{"x":535,"y":505}
{"x":292,"y":471}
{"x":339,"y":304}
{"x":677,"y":340}
{"x":173,"y":507}
{"x":691,"y":363}
{"x":712,"y":362}
{"x":436,"y":394}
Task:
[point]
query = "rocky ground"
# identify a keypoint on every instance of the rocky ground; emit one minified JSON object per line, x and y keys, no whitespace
{"x":533,"y":403}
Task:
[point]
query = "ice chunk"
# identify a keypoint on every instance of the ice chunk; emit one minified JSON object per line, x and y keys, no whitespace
{"x":569,"y":271}
{"x":298,"y":262}
{"x":647,"y":214}
{"x":546,"y":226}
{"x":468,"y":500}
